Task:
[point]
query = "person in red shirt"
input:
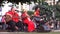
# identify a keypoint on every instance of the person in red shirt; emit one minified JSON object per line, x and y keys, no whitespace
{"x":26,"y":19}
{"x":36,"y":16}
{"x":13,"y":14}
{"x":12,"y":18}
{"x":37,"y":12}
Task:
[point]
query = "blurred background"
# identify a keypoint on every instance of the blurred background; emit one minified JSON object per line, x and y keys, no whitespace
{"x":50,"y":8}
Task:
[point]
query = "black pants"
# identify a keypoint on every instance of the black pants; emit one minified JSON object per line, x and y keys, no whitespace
{"x":11,"y":25}
{"x":20,"y":25}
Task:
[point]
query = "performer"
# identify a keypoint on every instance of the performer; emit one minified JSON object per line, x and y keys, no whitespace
{"x":12,"y":18}
{"x":26,"y":19}
{"x":37,"y":12}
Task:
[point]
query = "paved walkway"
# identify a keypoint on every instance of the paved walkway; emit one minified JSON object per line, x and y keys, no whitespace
{"x":55,"y":30}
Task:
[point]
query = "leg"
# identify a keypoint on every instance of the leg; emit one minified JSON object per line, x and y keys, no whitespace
{"x":20,"y":26}
{"x":4,"y":26}
{"x":12,"y":25}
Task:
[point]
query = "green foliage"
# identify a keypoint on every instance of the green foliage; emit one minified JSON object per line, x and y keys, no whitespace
{"x":0,"y":0}
{"x":58,"y":7}
{"x":30,"y":12}
{"x":57,"y":14}
{"x":16,"y":1}
{"x":46,"y":9}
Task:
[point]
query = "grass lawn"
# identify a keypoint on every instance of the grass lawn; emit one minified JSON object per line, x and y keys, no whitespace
{"x":28,"y":33}
{"x":44,"y":33}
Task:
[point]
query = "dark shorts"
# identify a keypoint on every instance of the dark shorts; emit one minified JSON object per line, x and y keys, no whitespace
{"x":19,"y":24}
{"x":12,"y":25}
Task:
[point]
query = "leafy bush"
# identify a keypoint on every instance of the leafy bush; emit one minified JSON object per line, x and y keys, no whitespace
{"x":30,"y":12}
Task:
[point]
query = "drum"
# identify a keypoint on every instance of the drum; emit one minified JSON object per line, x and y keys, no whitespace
{"x":8,"y":18}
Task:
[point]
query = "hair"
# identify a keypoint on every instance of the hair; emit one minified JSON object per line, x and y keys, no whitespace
{"x":12,"y":8}
{"x":36,"y":8}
